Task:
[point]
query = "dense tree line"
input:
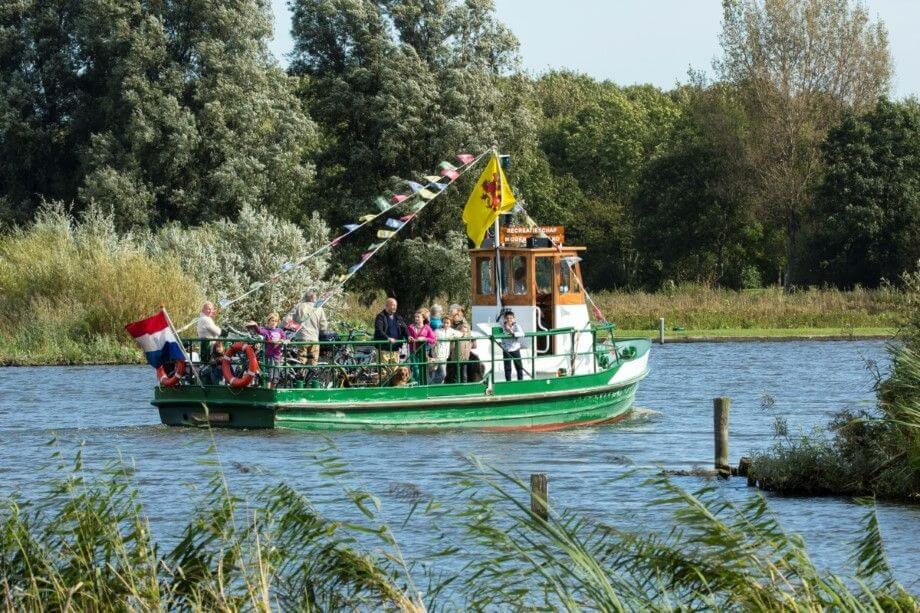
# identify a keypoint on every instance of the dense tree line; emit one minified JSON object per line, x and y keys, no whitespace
{"x":787,"y":165}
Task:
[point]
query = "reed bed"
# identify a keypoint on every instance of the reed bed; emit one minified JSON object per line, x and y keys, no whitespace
{"x":67,"y":289}
{"x":86,"y":545}
{"x":696,"y":307}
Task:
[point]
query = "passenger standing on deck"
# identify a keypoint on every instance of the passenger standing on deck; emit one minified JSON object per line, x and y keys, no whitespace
{"x":274,"y":350}
{"x":421,"y":338}
{"x":511,"y":347}
{"x":206,"y":326}
{"x":207,"y":329}
{"x":445,"y":351}
{"x":312,"y":320}
{"x":390,"y":327}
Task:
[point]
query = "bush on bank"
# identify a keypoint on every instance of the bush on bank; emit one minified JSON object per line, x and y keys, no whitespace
{"x":69,"y":285}
{"x":871,"y":452}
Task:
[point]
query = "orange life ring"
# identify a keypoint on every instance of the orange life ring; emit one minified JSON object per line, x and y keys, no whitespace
{"x":252,"y":367}
{"x":171,"y":381}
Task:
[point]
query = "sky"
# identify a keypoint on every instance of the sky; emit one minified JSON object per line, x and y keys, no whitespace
{"x":647,"y":41}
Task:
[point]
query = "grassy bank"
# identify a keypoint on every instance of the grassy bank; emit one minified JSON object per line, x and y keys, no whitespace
{"x":86,"y":545}
{"x":699,"y":309}
{"x":68,"y":287}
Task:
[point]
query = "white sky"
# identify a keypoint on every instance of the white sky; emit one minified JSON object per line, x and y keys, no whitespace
{"x":647,"y":41}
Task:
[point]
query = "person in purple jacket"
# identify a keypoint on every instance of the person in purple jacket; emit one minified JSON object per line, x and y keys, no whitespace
{"x":274,"y":350}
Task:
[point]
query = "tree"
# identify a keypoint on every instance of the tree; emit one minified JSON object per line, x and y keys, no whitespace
{"x":867,"y":217}
{"x":155,"y":111}
{"x":694,"y":217}
{"x":800,"y":65}
{"x":398,"y":86}
{"x":598,"y":146}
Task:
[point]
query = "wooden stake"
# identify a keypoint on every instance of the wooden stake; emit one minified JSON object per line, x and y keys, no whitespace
{"x":661,"y":330}
{"x":720,"y":409}
{"x":539,"y":496}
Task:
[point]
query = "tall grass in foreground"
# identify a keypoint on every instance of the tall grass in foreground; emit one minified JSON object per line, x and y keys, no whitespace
{"x":87,"y":546}
{"x":871,"y":452}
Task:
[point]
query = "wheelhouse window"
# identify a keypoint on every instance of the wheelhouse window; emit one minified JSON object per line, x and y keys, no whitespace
{"x":484,"y":277}
{"x":514,"y":273}
{"x":544,"y":276}
{"x":568,"y":280}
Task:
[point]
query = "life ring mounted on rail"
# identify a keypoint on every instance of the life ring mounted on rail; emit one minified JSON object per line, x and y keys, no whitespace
{"x":171,"y":380}
{"x":252,"y":367}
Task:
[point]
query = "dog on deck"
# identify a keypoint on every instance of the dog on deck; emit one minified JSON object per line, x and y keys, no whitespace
{"x":400,"y":377}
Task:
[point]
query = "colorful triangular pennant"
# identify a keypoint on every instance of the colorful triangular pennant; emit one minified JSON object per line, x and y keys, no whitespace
{"x":465,"y":158}
{"x":385,"y":233}
{"x":397,"y":198}
{"x":450,"y":174}
{"x":382,"y":203}
{"x":427,"y":194}
{"x":415,"y":187}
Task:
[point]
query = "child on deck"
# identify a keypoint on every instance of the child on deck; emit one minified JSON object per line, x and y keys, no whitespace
{"x":274,"y":351}
{"x":421,"y":339}
{"x":443,"y":350}
{"x":511,"y":347}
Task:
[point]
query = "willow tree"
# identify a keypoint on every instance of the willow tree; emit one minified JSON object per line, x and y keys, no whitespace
{"x":801,"y":64}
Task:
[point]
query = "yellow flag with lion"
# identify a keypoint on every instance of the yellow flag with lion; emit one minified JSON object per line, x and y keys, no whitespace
{"x":491,"y":196}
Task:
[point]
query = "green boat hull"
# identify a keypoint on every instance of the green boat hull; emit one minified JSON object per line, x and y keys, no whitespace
{"x":533,"y":404}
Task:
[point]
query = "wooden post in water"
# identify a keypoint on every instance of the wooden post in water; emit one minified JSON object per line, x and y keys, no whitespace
{"x":661,"y":330}
{"x":720,"y":408}
{"x":539,"y":495}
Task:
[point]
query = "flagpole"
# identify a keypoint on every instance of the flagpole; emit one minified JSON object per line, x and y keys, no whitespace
{"x":498,"y":253}
{"x":182,"y":349}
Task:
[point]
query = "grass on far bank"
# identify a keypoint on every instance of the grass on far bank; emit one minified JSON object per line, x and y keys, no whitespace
{"x":699,"y":308}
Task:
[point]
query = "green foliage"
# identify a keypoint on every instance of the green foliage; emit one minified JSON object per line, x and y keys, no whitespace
{"x":81,"y":280}
{"x":163,"y":111}
{"x":68,"y":286}
{"x":867,"y":214}
{"x":87,"y":546}
{"x":694,"y":209}
{"x":227,"y":257}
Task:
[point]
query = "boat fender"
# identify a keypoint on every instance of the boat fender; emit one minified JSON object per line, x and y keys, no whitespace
{"x":252,"y":366}
{"x":171,"y":381}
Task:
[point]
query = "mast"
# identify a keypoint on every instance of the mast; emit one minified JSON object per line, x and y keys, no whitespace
{"x":498,"y":253}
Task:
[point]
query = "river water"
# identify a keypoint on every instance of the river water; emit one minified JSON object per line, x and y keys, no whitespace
{"x":106,"y":410}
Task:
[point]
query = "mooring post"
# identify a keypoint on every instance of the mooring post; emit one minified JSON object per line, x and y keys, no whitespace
{"x":539,"y":496}
{"x":720,"y":408}
{"x":661,"y":330}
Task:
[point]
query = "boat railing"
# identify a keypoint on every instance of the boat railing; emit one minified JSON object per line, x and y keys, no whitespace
{"x":364,"y":362}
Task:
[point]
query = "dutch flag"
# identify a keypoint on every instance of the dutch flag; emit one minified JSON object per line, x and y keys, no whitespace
{"x":156,"y":338}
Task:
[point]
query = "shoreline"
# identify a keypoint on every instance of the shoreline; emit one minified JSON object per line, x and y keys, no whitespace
{"x":736,"y":335}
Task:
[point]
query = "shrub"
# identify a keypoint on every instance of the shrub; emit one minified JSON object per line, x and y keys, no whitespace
{"x":80,"y":278}
{"x":227,"y":258}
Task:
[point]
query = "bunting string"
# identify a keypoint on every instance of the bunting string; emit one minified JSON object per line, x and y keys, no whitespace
{"x":448,"y":172}
{"x":425,"y":196}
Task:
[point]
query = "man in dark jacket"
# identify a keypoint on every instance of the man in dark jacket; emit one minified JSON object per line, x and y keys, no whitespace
{"x":389,"y":326}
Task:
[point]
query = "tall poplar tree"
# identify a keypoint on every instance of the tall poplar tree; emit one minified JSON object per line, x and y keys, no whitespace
{"x":801,"y":64}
